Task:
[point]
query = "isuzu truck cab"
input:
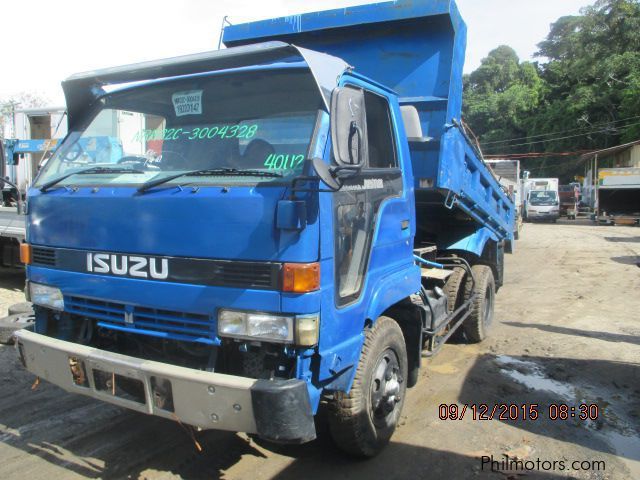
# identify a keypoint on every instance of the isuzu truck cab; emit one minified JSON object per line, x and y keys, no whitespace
{"x":288,"y":223}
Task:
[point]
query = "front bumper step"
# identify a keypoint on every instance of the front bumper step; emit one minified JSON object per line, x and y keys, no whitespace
{"x":277,"y":410}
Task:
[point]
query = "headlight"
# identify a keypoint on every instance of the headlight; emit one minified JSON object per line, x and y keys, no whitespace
{"x":255,"y":326}
{"x":46,"y":296}
{"x":301,"y":330}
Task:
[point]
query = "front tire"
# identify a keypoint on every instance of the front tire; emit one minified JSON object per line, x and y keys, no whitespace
{"x":479,"y":321}
{"x":362,"y":421}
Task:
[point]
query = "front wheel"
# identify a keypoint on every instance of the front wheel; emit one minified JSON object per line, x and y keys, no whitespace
{"x":477,"y":324}
{"x":362,"y":421}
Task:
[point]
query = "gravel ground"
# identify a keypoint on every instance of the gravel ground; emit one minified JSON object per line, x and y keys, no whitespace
{"x":11,"y":289}
{"x":566,"y":331}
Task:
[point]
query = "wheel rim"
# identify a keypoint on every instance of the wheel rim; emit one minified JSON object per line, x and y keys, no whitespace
{"x":385,"y":389}
{"x":488,"y":306}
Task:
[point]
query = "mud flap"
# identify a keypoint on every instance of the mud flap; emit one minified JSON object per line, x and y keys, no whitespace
{"x":282,"y":411}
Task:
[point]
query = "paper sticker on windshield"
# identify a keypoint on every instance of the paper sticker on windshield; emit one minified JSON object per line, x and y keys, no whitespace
{"x":187,"y":102}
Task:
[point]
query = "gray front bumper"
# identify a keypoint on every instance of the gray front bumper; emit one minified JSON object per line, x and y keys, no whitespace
{"x":540,"y":215}
{"x":277,"y":410}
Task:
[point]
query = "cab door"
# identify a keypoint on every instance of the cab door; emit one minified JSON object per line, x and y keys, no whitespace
{"x":372,"y":234}
{"x":358,"y":205}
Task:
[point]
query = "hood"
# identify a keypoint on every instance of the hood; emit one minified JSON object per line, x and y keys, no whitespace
{"x":234,"y":223}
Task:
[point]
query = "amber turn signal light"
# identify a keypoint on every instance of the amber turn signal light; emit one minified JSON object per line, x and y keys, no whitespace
{"x":301,"y":277}
{"x":25,"y":253}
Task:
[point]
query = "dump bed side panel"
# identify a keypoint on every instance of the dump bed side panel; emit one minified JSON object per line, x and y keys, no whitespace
{"x":415,"y":48}
{"x":470,"y":186}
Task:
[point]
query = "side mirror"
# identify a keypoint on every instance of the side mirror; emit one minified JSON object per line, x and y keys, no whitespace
{"x":348,"y":126}
{"x":325,"y":174}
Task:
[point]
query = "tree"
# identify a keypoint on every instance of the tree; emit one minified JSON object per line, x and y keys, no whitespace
{"x":593,"y":73}
{"x":501,"y":95}
{"x":583,"y":95}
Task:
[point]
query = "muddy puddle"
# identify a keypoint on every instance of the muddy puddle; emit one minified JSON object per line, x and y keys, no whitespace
{"x":626,"y":445}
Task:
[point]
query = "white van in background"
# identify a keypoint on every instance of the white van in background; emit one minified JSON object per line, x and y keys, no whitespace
{"x":542,"y":200}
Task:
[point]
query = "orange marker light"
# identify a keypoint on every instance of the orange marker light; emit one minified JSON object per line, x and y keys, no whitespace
{"x":25,"y":253}
{"x":301,"y":277}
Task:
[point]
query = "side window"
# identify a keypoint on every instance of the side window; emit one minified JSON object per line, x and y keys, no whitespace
{"x":382,"y":152}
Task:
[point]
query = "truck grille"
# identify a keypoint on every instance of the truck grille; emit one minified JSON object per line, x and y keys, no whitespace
{"x":261,"y":275}
{"x":252,"y":275}
{"x":168,"y":324}
{"x":43,"y":256}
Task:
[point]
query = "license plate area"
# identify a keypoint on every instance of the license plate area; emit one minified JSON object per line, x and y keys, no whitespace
{"x":119,"y":386}
{"x":204,"y":399}
{"x":78,"y":372}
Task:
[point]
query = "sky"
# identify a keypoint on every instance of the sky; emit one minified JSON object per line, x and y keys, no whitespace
{"x":45,"y":41}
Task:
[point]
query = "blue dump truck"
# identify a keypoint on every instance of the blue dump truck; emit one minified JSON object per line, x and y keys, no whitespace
{"x":295,"y":221}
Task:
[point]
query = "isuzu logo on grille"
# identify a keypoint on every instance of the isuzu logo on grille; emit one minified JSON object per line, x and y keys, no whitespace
{"x":128,"y":265}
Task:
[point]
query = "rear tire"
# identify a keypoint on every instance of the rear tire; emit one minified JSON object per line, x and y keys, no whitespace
{"x":476,"y":326}
{"x":362,"y":421}
{"x":454,"y":288}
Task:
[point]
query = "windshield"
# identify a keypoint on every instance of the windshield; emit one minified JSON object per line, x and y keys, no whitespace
{"x":253,"y":120}
{"x":545,"y":197}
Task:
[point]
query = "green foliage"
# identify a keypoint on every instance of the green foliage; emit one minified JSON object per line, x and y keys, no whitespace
{"x":501,"y":94}
{"x":587,"y":87}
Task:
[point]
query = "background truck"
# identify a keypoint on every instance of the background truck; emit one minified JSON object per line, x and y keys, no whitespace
{"x":541,"y":199}
{"x":618,"y":196}
{"x":307,"y":219}
{"x":29,"y":134}
{"x":569,"y":200}
{"x":26,"y":137}
{"x":12,"y":226}
{"x":508,"y":174}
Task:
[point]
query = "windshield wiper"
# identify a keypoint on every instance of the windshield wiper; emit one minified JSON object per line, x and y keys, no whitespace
{"x":98,"y":170}
{"x":210,"y":172}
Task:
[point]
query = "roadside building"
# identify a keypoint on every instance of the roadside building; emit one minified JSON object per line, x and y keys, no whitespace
{"x":611,"y":185}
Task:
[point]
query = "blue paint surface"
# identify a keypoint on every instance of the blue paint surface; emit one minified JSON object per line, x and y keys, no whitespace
{"x":413,"y":52}
{"x":415,"y":48}
{"x":236,"y":223}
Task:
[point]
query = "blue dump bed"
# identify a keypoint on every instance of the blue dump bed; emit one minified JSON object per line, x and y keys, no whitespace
{"x":417,"y":49}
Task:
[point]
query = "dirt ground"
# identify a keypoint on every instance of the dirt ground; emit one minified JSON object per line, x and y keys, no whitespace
{"x":566,"y":331}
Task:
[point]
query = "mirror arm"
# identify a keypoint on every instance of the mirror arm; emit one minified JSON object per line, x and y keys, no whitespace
{"x":345,"y":171}
{"x":296,"y":181}
{"x":325,"y":174}
{"x":305,"y":179}
{"x":340,"y":168}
